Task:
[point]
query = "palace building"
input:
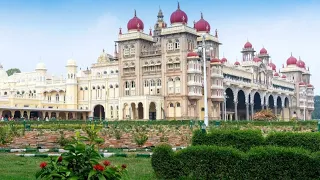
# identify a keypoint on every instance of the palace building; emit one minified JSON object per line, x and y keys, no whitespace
{"x":158,"y":74}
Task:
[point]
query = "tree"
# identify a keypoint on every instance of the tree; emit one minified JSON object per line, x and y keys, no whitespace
{"x":12,"y":71}
{"x":316,"y":112}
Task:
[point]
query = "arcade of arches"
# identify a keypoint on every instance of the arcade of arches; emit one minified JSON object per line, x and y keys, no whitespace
{"x":242,"y":106}
{"x":29,"y":113}
{"x":142,"y":110}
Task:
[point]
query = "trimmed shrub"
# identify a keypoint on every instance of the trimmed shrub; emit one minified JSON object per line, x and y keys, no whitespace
{"x":309,"y":140}
{"x":239,"y":139}
{"x":164,"y":163}
{"x":281,"y":163}
{"x":210,"y":162}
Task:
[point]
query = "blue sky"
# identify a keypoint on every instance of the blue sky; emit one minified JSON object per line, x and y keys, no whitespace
{"x":53,"y":31}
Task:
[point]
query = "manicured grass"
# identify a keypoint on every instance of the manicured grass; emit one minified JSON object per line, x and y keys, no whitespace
{"x":24,"y":168}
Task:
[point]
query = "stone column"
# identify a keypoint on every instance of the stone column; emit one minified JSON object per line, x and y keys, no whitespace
{"x":290,"y":116}
{"x":247,"y":112}
{"x":236,"y":110}
{"x":275,"y":111}
{"x":252,"y":112}
{"x":282,"y":113}
{"x":158,"y":111}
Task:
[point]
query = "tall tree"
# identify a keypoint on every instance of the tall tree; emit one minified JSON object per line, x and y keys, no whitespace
{"x":12,"y":71}
{"x":316,"y":112}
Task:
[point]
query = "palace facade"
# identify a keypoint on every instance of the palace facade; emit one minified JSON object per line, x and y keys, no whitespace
{"x":159,"y":75}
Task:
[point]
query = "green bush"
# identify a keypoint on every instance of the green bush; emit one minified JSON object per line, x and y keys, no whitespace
{"x":164,"y":163}
{"x":212,"y":162}
{"x":309,"y":140}
{"x":242,"y":140}
{"x":281,"y":163}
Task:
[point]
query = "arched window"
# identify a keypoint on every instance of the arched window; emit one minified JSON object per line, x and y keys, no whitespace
{"x":111,"y":86}
{"x":105,"y":72}
{"x":117,"y":71}
{"x":111,"y":72}
{"x":170,"y":45}
{"x":117,"y":85}
{"x":152,"y":83}
{"x":5,"y":93}
{"x":177,"y":44}
{"x":146,"y":83}
{"x":133,"y":84}
{"x":81,"y":88}
{"x":103,"y":87}
{"x":127,"y":84}
{"x":98,"y":87}
{"x":86,"y":88}
{"x":57,"y":97}
{"x":159,"y":82}
{"x":178,"y":104}
{"x":171,"y":104}
{"x":93,"y":88}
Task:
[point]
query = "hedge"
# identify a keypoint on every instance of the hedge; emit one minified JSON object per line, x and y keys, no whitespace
{"x":242,"y":140}
{"x":308,"y":140}
{"x":212,"y":162}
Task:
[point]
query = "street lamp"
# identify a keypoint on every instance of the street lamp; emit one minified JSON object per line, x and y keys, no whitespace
{"x":202,"y":49}
{"x":225,"y":105}
{"x":304,"y":93}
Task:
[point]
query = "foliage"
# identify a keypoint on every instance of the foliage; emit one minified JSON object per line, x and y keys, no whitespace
{"x":163,"y":162}
{"x":316,"y":112}
{"x":117,"y":133}
{"x":8,"y":132}
{"x":264,"y":115}
{"x":140,"y":138}
{"x":308,"y":140}
{"x":80,"y":162}
{"x":240,"y":139}
{"x":62,"y":140}
{"x":12,"y":71}
{"x":212,"y":162}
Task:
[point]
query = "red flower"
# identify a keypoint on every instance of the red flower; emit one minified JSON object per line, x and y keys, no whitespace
{"x":124,"y":166}
{"x":43,"y":165}
{"x":60,"y":159}
{"x":106,"y":163}
{"x":98,"y":167}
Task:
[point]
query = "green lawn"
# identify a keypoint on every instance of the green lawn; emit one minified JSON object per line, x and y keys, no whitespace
{"x":24,"y":168}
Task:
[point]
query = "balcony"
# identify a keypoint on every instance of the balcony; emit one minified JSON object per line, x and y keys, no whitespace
{"x":214,"y":86}
{"x":217,"y":98}
{"x":193,"y":71}
{"x":216,"y":75}
{"x":193,"y":83}
{"x":193,"y":95}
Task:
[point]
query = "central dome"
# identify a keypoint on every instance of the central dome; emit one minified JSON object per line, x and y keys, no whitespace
{"x":202,"y":25}
{"x":247,"y":45}
{"x":135,"y":23}
{"x":291,"y":60}
{"x":263,"y":51}
{"x":179,"y":16}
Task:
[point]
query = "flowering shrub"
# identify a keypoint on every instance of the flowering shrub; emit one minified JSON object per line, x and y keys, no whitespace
{"x":264,"y":115}
{"x":80,"y":163}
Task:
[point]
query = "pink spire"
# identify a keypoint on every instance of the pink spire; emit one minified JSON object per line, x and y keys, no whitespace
{"x":150,"y":32}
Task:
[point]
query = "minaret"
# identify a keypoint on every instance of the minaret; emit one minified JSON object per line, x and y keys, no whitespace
{"x":71,"y":85}
{"x":158,"y":26}
{"x":247,"y":52}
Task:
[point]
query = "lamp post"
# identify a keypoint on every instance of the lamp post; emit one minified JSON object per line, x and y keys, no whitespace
{"x":225,"y":106}
{"x":202,"y":49}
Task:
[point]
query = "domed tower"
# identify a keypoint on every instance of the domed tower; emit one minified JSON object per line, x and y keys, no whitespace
{"x":248,"y":52}
{"x":160,"y":24}
{"x":135,"y":24}
{"x":216,"y":86}
{"x":263,"y":54}
{"x":178,"y":17}
{"x":71,"y":85}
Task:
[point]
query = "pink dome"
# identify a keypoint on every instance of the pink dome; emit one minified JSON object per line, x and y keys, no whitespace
{"x":192,"y":54}
{"x":301,"y":64}
{"x":273,"y":66}
{"x":215,"y":60}
{"x":291,"y":60}
{"x":223,"y":60}
{"x":135,"y":23}
{"x":257,"y":59}
{"x":284,"y":76}
{"x":276,"y":74}
{"x":263,"y":51}
{"x":310,"y":85}
{"x":202,"y":25}
{"x":179,"y":16}
{"x":302,"y":84}
{"x":237,"y":63}
{"x":248,"y":45}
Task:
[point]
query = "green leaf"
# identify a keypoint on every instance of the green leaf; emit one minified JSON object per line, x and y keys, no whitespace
{"x":101,"y":177}
{"x":92,"y":172}
{"x":73,"y":178}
